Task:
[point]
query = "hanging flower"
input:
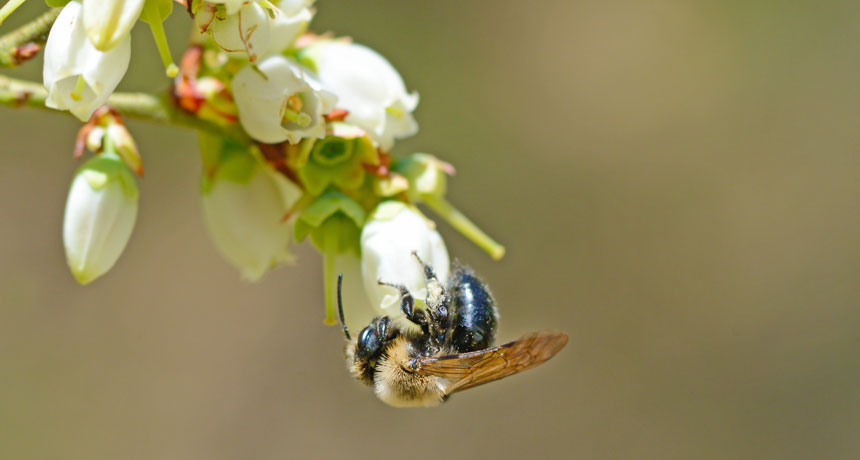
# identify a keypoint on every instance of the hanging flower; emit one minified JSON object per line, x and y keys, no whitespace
{"x":100,"y":213}
{"x":108,"y":22}
{"x":244,"y":204}
{"x":279,"y":100}
{"x":367,"y":86}
{"x":79,"y":78}
{"x":389,"y":237}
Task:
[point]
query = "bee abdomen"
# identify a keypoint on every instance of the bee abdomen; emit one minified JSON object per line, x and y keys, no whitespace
{"x":474,"y":312}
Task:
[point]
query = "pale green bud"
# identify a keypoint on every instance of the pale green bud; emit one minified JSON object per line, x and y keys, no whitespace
{"x":100,"y":213}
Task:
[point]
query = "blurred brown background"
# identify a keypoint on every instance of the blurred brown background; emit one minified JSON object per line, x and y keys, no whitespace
{"x":677,"y":186}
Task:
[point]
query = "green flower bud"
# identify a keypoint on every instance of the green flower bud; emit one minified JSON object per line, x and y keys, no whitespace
{"x":427,"y":175}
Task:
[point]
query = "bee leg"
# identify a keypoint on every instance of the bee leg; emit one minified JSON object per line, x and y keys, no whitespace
{"x":437,"y":298}
{"x":383,"y":329}
{"x":429,"y":274}
{"x":407,"y":305}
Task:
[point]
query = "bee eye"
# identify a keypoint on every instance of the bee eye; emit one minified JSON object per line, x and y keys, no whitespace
{"x":368,"y":343}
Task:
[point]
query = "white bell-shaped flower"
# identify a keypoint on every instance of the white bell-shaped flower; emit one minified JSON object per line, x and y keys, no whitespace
{"x":389,"y":237}
{"x":279,"y":101}
{"x":245,"y":33}
{"x":100,"y":213}
{"x":244,"y":205}
{"x":368,"y":87}
{"x":79,"y":78}
{"x":289,"y":20}
{"x":107,"y":22}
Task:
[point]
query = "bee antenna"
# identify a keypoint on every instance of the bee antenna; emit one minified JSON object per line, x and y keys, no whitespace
{"x":340,"y":305}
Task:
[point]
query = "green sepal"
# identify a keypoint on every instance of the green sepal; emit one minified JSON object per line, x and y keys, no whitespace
{"x":224,"y":159}
{"x":106,"y":167}
{"x":426,"y":174}
{"x":338,"y":159}
{"x":57,"y":3}
{"x":333,"y":221}
{"x":156,"y":10}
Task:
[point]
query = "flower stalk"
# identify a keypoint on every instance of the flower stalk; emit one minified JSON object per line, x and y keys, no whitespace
{"x":142,"y":106}
{"x":24,"y":42}
{"x":9,"y":8}
{"x":465,"y":226}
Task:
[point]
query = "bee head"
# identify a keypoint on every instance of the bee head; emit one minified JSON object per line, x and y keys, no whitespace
{"x":370,"y":341}
{"x":366,"y":349}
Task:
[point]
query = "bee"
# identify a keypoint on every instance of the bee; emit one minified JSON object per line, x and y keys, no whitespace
{"x":452,"y":352}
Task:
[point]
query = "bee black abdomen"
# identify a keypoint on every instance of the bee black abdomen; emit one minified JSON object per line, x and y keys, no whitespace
{"x":474,"y":323}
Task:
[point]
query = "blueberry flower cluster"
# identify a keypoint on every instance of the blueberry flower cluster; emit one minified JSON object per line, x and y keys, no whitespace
{"x":297,"y":142}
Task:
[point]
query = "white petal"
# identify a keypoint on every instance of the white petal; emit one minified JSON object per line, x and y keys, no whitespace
{"x":393,"y":232}
{"x":293,"y":7}
{"x":69,"y":54}
{"x":286,"y":26}
{"x":367,"y":86}
{"x":232,"y":6}
{"x":107,"y":22}
{"x":246,"y":33}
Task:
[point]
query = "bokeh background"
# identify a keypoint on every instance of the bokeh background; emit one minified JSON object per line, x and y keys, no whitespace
{"x":677,"y":184}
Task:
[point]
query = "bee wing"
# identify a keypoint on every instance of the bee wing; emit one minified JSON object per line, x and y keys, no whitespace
{"x":467,"y":370}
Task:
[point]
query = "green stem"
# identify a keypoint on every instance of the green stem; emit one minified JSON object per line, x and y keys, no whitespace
{"x":34,"y":32}
{"x":329,"y":261}
{"x":157,"y":29}
{"x":9,"y":8}
{"x":465,"y":226}
{"x":142,"y":106}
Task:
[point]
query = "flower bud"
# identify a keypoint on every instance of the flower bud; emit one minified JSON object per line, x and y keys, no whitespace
{"x":244,"y":204}
{"x":279,"y":101}
{"x":427,"y":175}
{"x":100,"y":213}
{"x":389,"y":237}
{"x":367,"y":86}
{"x":107,"y":22}
{"x":78,"y":77}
